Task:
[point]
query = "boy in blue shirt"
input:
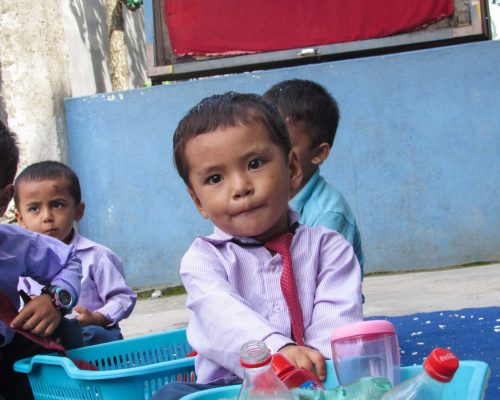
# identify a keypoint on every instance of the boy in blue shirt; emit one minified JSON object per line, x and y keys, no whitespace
{"x":47,"y":260}
{"x":312,"y":117}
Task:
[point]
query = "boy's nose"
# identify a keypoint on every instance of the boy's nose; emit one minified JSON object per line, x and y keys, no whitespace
{"x":242,"y":187}
{"x":47,"y":215}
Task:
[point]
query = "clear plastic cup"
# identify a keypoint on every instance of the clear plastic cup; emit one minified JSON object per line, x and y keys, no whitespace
{"x":366,"y":349}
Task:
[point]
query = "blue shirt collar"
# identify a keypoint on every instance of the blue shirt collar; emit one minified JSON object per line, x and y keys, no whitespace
{"x":300,"y":199}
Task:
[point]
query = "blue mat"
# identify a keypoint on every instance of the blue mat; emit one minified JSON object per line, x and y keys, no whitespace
{"x":471,"y":333}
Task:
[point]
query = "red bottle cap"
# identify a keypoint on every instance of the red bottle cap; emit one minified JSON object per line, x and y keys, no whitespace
{"x":281,"y":365}
{"x":441,"y":364}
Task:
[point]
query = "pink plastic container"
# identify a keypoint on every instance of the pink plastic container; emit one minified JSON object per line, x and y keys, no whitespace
{"x":368,"y":348}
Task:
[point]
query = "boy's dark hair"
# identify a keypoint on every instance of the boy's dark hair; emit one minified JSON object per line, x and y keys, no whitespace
{"x":227,"y":110}
{"x":9,"y":155}
{"x":310,"y":103}
{"x":46,"y":170}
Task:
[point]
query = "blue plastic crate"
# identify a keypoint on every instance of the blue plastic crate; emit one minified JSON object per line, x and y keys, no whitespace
{"x":128,"y":369}
{"x":469,"y":383}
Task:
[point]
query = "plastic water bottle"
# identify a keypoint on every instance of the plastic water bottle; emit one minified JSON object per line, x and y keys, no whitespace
{"x":438,"y":369}
{"x":366,"y":388}
{"x":294,"y":377}
{"x":259,"y":380}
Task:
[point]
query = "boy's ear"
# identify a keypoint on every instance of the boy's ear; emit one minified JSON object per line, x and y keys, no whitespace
{"x":197,"y":202}
{"x":20,"y":219}
{"x":296,"y":174}
{"x":80,"y":211}
{"x":321,"y":153}
{"x":5,"y":198}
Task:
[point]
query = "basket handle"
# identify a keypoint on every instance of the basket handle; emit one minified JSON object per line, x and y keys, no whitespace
{"x":26,"y":365}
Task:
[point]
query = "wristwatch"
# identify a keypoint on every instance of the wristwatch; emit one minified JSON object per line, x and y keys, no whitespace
{"x":61,"y":298}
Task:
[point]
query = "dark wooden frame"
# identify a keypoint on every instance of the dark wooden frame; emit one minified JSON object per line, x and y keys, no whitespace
{"x":470,"y":22}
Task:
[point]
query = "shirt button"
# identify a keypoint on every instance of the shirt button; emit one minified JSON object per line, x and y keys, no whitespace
{"x":276,"y":308}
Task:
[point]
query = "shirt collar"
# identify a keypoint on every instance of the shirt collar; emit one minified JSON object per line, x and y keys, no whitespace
{"x":79,"y":241}
{"x":299,"y":200}
{"x":220,"y":237}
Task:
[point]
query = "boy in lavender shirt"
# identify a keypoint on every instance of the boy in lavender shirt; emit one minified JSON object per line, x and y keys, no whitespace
{"x":48,"y":200}
{"x":24,"y":253}
{"x":234,"y":154}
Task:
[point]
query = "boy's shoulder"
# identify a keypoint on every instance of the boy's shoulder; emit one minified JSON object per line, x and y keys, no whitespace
{"x":84,"y":245}
{"x":318,"y":197}
{"x":315,"y":235}
{"x":318,"y":186}
{"x":209,"y":243}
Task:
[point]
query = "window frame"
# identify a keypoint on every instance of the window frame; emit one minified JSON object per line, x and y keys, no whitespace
{"x":163,"y":65}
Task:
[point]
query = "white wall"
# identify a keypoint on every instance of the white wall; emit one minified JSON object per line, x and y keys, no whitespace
{"x":53,"y":50}
{"x":87,"y":41}
{"x":35,"y":80}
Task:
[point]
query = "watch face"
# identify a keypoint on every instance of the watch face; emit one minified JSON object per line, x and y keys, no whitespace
{"x":64,"y":298}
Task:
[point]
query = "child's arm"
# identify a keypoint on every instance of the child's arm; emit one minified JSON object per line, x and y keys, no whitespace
{"x":51,"y":262}
{"x":337,"y":298}
{"x":111,"y":299}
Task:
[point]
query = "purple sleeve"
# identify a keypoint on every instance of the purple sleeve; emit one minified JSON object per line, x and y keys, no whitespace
{"x":119,"y":300}
{"x":50,"y":261}
{"x":338,"y":292}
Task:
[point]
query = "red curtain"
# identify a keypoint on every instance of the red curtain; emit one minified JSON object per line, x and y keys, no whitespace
{"x":209,"y":27}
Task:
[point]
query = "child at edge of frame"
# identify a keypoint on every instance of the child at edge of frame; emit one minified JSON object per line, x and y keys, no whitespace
{"x":48,"y":200}
{"x":234,"y":154}
{"x":49,"y":262}
{"x":312,"y":116}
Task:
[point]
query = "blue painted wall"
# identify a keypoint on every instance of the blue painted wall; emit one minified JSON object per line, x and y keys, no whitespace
{"x":416,"y":155}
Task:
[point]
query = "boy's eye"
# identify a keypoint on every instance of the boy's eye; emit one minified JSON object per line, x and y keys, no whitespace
{"x":33,"y":209}
{"x":214,"y":179}
{"x":254,"y":164}
{"x":57,"y":204}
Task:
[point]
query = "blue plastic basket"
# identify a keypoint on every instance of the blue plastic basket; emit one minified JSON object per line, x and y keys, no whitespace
{"x":128,"y":369}
{"x":469,"y":383}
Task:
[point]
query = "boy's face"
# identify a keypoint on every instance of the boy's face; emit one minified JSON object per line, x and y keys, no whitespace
{"x":241,"y":180}
{"x":310,"y":157}
{"x":47,"y":207}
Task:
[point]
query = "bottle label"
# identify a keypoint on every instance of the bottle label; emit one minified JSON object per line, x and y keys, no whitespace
{"x":310,"y":384}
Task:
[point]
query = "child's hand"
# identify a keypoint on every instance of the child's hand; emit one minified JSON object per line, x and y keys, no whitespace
{"x":86,"y":317}
{"x":39,"y":316}
{"x":305,"y":357}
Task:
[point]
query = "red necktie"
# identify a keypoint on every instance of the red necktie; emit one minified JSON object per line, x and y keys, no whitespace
{"x":281,"y":245}
{"x":8,"y":313}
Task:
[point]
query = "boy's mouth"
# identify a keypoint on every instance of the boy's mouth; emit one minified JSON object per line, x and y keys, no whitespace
{"x":247,"y":210}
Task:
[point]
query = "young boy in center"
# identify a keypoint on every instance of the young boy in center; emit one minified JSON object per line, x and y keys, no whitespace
{"x":234,"y":154}
{"x":50,"y":262}
{"x":48,"y":200}
{"x":312,"y":117}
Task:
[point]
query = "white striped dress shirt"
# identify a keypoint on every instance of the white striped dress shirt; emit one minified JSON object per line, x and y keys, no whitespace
{"x":235,"y":295}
